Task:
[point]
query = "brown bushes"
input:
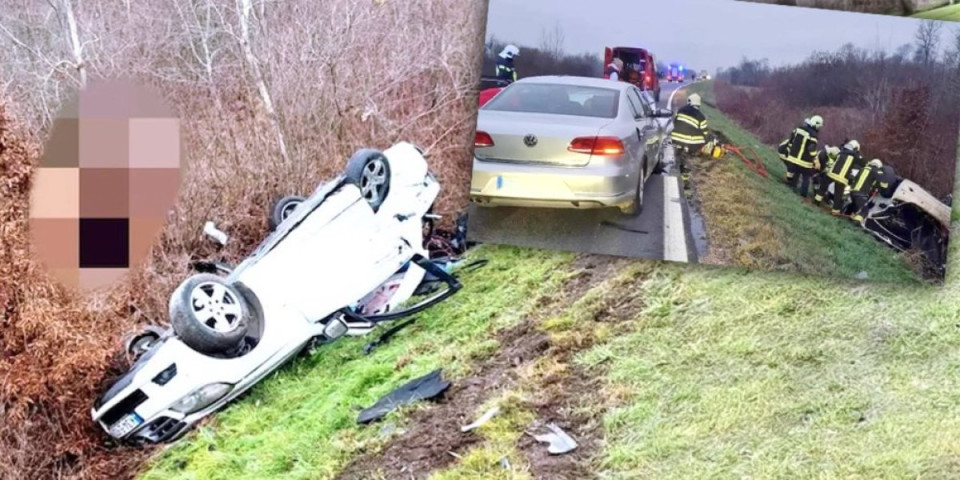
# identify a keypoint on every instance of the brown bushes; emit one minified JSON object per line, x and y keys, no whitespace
{"x":341,"y":75}
{"x":901,"y":111}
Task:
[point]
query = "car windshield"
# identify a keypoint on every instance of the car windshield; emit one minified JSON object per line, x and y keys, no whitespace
{"x":557,"y":99}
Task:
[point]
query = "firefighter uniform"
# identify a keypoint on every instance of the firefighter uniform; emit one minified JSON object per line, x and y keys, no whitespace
{"x":862,"y":186}
{"x":887,"y":181}
{"x":690,"y":132}
{"x":801,"y":155}
{"x":506,"y":70}
{"x":839,"y":176}
{"x":826,"y":158}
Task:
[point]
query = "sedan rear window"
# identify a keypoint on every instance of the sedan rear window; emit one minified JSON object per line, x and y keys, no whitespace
{"x":557,"y":99}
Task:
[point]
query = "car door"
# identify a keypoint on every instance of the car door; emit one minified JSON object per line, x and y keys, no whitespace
{"x":656,"y":142}
{"x":637,"y":145}
{"x":648,"y":129}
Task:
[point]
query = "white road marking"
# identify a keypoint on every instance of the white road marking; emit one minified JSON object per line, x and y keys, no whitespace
{"x":670,"y":100}
{"x":674,"y":231}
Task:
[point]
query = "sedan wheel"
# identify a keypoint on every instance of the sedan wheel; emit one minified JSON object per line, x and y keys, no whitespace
{"x":369,"y":170}
{"x":209,"y":315}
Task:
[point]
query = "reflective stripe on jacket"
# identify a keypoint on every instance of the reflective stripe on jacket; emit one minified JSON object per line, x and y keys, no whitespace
{"x":801,"y":147}
{"x":689,"y":126}
{"x":865,"y":180}
{"x":840,"y":171}
{"x":505,"y":70}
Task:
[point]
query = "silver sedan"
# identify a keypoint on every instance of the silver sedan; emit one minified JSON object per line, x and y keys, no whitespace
{"x":567,"y":142}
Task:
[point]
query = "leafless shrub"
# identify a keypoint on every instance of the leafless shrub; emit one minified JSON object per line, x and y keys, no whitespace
{"x":274,"y":97}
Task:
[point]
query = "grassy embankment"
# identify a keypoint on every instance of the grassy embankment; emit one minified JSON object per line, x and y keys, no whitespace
{"x":949,"y":13}
{"x":759,"y":222}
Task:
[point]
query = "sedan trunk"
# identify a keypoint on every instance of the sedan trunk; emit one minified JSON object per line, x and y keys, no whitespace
{"x":551,"y":133}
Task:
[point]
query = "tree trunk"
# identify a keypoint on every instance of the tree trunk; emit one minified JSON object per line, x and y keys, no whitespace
{"x":75,"y":45}
{"x":244,"y":8}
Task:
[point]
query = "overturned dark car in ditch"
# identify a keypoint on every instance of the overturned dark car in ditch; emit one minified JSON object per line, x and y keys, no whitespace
{"x":907,"y":217}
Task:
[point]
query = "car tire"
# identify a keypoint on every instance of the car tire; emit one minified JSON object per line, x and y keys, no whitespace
{"x":369,"y":170}
{"x":210,"y":315}
{"x":283,"y":208}
{"x":636,"y":207}
{"x":143,"y":342}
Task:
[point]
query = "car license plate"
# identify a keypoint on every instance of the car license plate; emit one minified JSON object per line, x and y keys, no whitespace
{"x":126,"y":425}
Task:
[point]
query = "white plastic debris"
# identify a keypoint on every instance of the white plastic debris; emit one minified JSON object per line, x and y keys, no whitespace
{"x":559,"y":441}
{"x":480,"y":421}
{"x":211,"y":230}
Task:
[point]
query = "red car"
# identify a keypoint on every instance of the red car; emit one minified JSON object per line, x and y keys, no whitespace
{"x":489,"y":88}
{"x":639,"y":68}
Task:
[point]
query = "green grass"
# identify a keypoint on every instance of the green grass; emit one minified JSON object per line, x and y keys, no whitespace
{"x":732,"y":374}
{"x":762,"y":223}
{"x":949,"y":13}
{"x":300,"y":423}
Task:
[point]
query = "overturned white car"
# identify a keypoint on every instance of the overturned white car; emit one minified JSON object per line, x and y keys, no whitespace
{"x":911,"y":218}
{"x":338,"y":263}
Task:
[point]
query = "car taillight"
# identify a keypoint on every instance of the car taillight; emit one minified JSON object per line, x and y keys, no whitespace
{"x":597,"y":145}
{"x":483,"y":139}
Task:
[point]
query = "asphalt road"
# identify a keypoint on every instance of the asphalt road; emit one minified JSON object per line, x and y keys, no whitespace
{"x":661,"y":232}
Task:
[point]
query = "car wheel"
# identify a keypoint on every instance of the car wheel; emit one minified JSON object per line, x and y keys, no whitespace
{"x":143,"y":342}
{"x":283,"y":208}
{"x":369,"y":170}
{"x":208,"y":314}
{"x":636,"y":208}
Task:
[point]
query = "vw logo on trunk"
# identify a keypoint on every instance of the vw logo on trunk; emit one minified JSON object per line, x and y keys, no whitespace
{"x":530,"y":140}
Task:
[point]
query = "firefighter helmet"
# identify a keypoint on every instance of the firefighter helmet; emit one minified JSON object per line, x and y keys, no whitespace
{"x":694,"y":100}
{"x":510,"y":51}
{"x":875,"y":163}
{"x":815,"y":121}
{"x":833,"y":152}
{"x":852,"y":145}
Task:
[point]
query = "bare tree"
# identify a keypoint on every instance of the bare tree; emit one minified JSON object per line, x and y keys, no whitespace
{"x":244,"y":9}
{"x":928,"y":41}
{"x":551,"y":41}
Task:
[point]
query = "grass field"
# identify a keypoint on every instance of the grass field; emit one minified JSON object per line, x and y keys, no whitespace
{"x":300,"y":423}
{"x":759,"y":222}
{"x":692,"y":372}
{"x":949,"y":13}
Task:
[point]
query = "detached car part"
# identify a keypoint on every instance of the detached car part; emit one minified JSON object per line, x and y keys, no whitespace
{"x":308,"y":282}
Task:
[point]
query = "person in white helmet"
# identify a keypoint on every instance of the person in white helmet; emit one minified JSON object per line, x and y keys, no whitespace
{"x":862,"y":186}
{"x":505,"y":69}
{"x":839,"y":175}
{"x":613,"y":69}
{"x":690,"y":132}
{"x":823,"y":164}
{"x":800,"y":153}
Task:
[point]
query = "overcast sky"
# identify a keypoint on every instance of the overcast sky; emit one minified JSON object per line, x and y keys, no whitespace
{"x":704,"y":34}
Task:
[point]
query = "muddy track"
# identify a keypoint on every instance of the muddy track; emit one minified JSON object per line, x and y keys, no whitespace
{"x":431,"y":434}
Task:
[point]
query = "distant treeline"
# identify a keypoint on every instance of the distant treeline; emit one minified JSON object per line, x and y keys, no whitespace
{"x":903,"y":107}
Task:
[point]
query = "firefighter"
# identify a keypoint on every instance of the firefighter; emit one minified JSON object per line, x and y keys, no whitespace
{"x":887,"y":181}
{"x":862,"y":187}
{"x":825,"y":160}
{"x":838,"y":175}
{"x":614,"y":68}
{"x":505,"y":69}
{"x":801,"y":154}
{"x":690,"y":134}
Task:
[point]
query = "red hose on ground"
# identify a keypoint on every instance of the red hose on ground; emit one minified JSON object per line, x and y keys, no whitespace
{"x":755,"y":164}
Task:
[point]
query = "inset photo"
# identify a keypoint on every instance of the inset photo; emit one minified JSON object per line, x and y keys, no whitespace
{"x":929,"y":9}
{"x":829,"y":149}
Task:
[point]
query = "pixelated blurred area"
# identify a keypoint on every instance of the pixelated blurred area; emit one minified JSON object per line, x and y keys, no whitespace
{"x":107,"y":179}
{"x":264,"y":115}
